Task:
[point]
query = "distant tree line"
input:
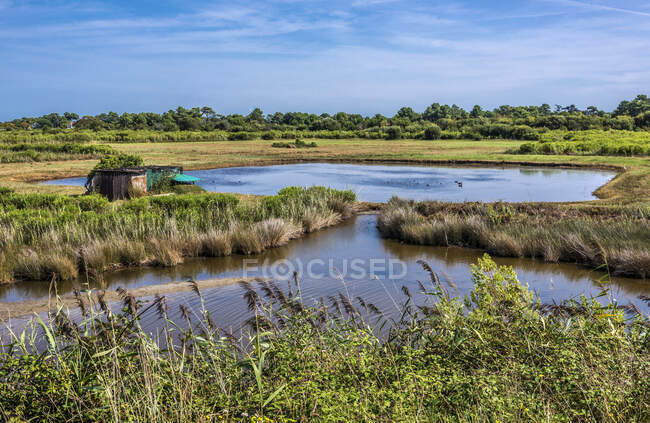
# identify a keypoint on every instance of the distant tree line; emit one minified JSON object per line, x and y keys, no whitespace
{"x":511,"y":122}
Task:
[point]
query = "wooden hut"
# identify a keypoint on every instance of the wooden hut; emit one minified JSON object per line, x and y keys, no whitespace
{"x":117,"y":184}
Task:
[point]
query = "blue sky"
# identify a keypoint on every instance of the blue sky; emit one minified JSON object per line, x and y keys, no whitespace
{"x":359,"y":56}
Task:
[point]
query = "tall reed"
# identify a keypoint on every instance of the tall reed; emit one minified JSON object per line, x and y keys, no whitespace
{"x":55,"y":235}
{"x":612,"y":238}
{"x":498,"y":355}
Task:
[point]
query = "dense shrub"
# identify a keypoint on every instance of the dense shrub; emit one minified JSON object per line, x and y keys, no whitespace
{"x":606,"y":143}
{"x":298,"y":143}
{"x":393,"y":133}
{"x":115,"y":161}
{"x":432,"y":132}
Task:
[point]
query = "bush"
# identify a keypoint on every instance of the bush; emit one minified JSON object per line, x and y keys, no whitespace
{"x":116,"y":161}
{"x":302,"y":144}
{"x":393,"y":133}
{"x":298,"y":143}
{"x":432,"y":133}
{"x":6,"y":191}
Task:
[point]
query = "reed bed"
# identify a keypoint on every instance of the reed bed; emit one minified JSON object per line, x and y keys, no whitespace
{"x":51,"y":151}
{"x":614,"y":239}
{"x":53,"y":235}
{"x":499,"y":355}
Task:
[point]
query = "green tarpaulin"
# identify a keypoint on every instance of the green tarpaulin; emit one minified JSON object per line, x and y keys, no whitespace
{"x":185,"y":178}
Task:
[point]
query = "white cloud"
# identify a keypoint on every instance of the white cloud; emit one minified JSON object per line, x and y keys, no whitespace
{"x":366,"y":3}
{"x":326,"y":59}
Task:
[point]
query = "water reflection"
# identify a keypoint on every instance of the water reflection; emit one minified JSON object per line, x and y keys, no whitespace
{"x":356,"y":239}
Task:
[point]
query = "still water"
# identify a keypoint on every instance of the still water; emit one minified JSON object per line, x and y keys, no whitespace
{"x":377,"y":183}
{"x":362,"y":264}
{"x":352,"y":257}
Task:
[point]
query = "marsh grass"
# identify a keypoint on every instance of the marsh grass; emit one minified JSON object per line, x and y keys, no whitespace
{"x":51,"y":151}
{"x":51,"y":235}
{"x":497,"y":355}
{"x":216,"y":243}
{"x":616,"y":238}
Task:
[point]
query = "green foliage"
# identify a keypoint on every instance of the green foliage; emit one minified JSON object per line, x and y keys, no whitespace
{"x":296,"y":144}
{"x":432,"y":132}
{"x":602,"y":143}
{"x":302,"y":144}
{"x":187,"y":189}
{"x":499,"y":355}
{"x":393,"y":133}
{"x":203,"y":124}
{"x":116,"y":161}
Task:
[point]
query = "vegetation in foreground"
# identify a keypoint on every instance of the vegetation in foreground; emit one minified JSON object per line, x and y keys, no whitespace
{"x":43,"y":235}
{"x":614,"y":238}
{"x":499,"y":355}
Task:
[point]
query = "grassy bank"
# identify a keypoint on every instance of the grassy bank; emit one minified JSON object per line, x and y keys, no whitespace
{"x":631,"y":186}
{"x":499,"y":355}
{"x":55,"y":235}
{"x":615,"y":238}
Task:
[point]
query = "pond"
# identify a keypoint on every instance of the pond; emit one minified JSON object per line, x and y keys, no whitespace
{"x":377,"y":183}
{"x":351,"y":258}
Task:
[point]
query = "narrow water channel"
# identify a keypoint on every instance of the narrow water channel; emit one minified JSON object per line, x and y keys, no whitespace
{"x":351,"y":258}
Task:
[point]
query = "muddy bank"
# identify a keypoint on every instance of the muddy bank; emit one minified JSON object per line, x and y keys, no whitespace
{"x":18,"y":309}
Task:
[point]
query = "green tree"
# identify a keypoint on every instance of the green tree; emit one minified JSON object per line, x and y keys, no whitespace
{"x":432,"y":132}
{"x":255,"y":116}
{"x":393,"y":133}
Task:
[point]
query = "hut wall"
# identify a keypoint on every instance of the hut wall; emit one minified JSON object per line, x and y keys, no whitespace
{"x":116,"y":185}
{"x":120,"y":183}
{"x":139,"y":183}
{"x":155,"y":174}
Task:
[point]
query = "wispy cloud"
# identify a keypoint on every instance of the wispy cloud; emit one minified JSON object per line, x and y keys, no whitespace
{"x":602,"y":7}
{"x":365,"y":3}
{"x":320,"y":55}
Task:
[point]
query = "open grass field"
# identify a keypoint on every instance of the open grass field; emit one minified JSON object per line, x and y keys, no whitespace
{"x":632,"y":185}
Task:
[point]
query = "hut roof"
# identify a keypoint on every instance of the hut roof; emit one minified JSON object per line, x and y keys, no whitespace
{"x":139,"y":170}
